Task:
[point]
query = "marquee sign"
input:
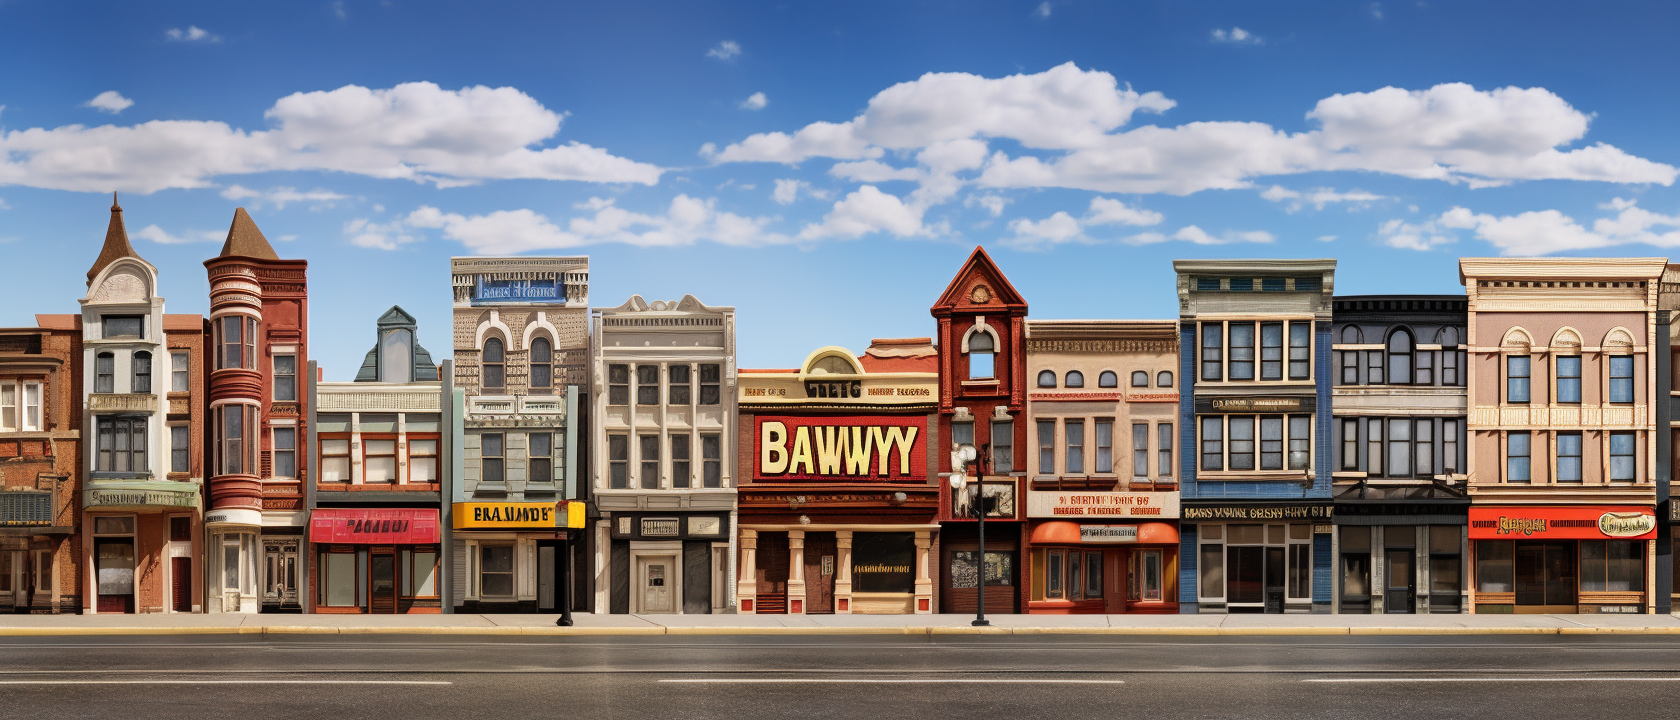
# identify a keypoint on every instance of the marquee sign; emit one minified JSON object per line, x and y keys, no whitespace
{"x":842,"y":448}
{"x":1583,"y":522}
{"x":396,"y":526}
{"x":1097,"y":505}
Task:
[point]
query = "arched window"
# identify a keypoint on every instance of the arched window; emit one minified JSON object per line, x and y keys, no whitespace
{"x":1350,"y":334}
{"x":1047,"y":378}
{"x":491,"y":372}
{"x":1075,"y":379}
{"x":1400,"y":358}
{"x":104,"y":373}
{"x":833,"y":365}
{"x":1108,"y":379}
{"x":1140,"y":379}
{"x":1163,"y":378}
{"x":980,"y":355}
{"x":142,"y":372}
{"x":542,"y":364}
{"x":396,"y":356}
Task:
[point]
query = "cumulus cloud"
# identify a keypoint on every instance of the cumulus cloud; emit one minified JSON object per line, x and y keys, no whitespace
{"x":1063,"y":228}
{"x":1422,"y":236}
{"x":1236,"y":36}
{"x":786,"y":191}
{"x":159,"y":235}
{"x":1193,"y":234}
{"x":864,"y":211}
{"x":379,"y":236}
{"x":1319,"y":197}
{"x":109,"y":101}
{"x":280,"y":197}
{"x":725,"y":50}
{"x":755,"y":101}
{"x":1545,"y":232}
{"x":992,"y":203}
{"x":1042,"y":11}
{"x":193,"y":33}
{"x":414,"y":131}
{"x":686,"y":221}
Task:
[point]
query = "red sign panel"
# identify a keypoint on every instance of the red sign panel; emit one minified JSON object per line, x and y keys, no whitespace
{"x":1580,"y":522}
{"x":842,"y":449}
{"x":374,"y":526}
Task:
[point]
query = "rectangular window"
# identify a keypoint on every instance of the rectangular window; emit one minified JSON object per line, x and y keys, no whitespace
{"x":711,"y":379}
{"x":32,"y":418}
{"x":285,"y":378}
{"x":179,"y":449}
{"x":1003,"y":446}
{"x":1271,"y":351}
{"x":1569,"y":457}
{"x":1300,"y":567}
{"x":179,"y":365}
{"x":1621,"y":379}
{"x":1612,"y":566}
{"x":1272,"y":284}
{"x":492,"y":458}
{"x":650,"y":461}
{"x":962,"y":433}
{"x":1105,"y":447}
{"x":540,"y":451}
{"x":495,"y":571}
{"x":1516,"y":379}
{"x":1074,"y":442}
{"x":285,"y":452}
{"x":711,"y":456}
{"x":1211,"y":571}
{"x":1350,"y":444}
{"x":8,"y":411}
{"x":338,"y":579}
{"x":422,"y":579}
{"x":1093,"y":575}
{"x":1449,"y":366}
{"x":618,"y":460}
{"x":1424,"y":372}
{"x":1349,"y":361}
{"x":1423,"y":448}
{"x":423,"y":460}
{"x":647,"y":384}
{"x":1300,"y":442}
{"x":1053,"y":584}
{"x":679,"y":460}
{"x":1242,"y":351}
{"x":1517,"y":457}
{"x":122,"y":444}
{"x":1449,"y":447}
{"x":681,"y":390}
{"x":230,"y":343}
{"x":1047,"y":447}
{"x":1213,"y":444}
{"x":379,"y":459}
{"x":105,"y":373}
{"x":1622,"y":464}
{"x":1300,"y":351}
{"x":1164,"y":450}
{"x":1271,"y":442}
{"x":1374,"y":447}
{"x":618,"y":384}
{"x":1399,"y":448}
{"x":1140,"y":450}
{"x":1213,"y":343}
{"x":1569,"y":379}
{"x":122,"y":327}
{"x":335,"y":459}
{"x":1242,"y":443}
{"x":1373,"y":367}
{"x":142,"y":364}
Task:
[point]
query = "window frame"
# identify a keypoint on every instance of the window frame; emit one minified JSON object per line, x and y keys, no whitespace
{"x":679,"y":392}
{"x":1527,"y":458}
{"x":1212,"y":355}
{"x":1164,"y":379}
{"x":1632,"y":457}
{"x":618,"y":461}
{"x":1399,"y":358}
{"x":486,"y":461}
{"x":105,"y":372}
{"x":1140,"y":378}
{"x":130,"y":431}
{"x":276,"y":450}
{"x":648,"y":390}
{"x":1003,"y":446}
{"x":105,"y":332}
{"x":1513,"y":380}
{"x":1073,"y":446}
{"x":1108,"y":379}
{"x":1570,"y":473}
{"x":618,"y":385}
{"x":682,"y":460}
{"x":1046,"y":436}
{"x":1228,"y":444}
{"x":180,"y":378}
{"x":646,"y":444}
{"x":1140,"y":450}
{"x":416,"y":459}
{"x":327,"y":457}
{"x":140,"y":372}
{"x":1047,"y":374}
{"x":1164,"y":450}
{"x":492,"y":368}
{"x":540,"y":365}
{"x":1567,"y":387}
{"x":970,"y":352}
{"x":1104,"y":456}
{"x":1074,"y":379}
{"x":534,"y":459}
{"x":711,"y":460}
{"x":285,"y":381}
{"x":1618,"y":383}
{"x":368,"y":456}
{"x":710,"y":389}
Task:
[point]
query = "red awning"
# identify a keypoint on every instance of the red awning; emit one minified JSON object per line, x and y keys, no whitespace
{"x":369,"y":526}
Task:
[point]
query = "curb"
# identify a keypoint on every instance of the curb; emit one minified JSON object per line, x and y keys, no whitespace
{"x":953,"y":630}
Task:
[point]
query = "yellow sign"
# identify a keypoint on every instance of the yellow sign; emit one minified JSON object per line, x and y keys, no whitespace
{"x":487,"y":516}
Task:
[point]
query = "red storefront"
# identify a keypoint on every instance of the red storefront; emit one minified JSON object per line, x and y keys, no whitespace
{"x":1563,"y":559}
{"x":374,"y":560}
{"x":1102,"y":552}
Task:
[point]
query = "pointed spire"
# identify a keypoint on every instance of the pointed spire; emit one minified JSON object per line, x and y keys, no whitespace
{"x":116,"y":242}
{"x":245,"y":240}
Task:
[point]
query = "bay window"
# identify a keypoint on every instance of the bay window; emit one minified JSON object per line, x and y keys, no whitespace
{"x":235,"y":339}
{"x":235,"y":434}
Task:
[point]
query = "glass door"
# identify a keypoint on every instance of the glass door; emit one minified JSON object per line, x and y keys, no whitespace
{"x":279,"y":570}
{"x":114,"y":571}
{"x":382,"y":582}
{"x":1401,"y":582}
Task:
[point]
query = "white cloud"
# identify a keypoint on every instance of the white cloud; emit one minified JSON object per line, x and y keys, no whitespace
{"x":755,"y":101}
{"x":159,"y":235}
{"x":338,"y":9}
{"x":1042,"y":11}
{"x":786,"y":191}
{"x":280,"y":197}
{"x":193,"y":33}
{"x":1327,"y":238}
{"x":1193,"y":234}
{"x":1406,"y":236}
{"x":686,"y":221}
{"x":864,"y":211}
{"x":3,"y":205}
{"x":379,"y":236}
{"x":725,"y":50}
{"x":1548,"y":231}
{"x":1377,"y":10}
{"x":1063,"y":228}
{"x":109,"y":101}
{"x":992,"y":203}
{"x":414,"y":131}
{"x":1319,"y":197}
{"x":1237,"y":36}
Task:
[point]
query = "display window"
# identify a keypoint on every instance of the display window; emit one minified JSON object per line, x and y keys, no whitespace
{"x":1255,"y":566}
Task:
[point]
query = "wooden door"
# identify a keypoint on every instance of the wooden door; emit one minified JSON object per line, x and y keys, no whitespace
{"x":180,"y":583}
{"x":821,"y":554}
{"x":772,"y":569}
{"x":382,"y":583}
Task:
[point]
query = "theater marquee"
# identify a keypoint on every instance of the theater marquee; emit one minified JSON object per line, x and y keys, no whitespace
{"x":1102,"y":505}
{"x":842,"y":448}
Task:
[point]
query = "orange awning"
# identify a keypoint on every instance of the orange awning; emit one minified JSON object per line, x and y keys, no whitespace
{"x":1062,"y":532}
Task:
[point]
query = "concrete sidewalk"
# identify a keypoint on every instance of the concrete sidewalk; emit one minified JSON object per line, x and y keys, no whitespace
{"x":587,"y":624}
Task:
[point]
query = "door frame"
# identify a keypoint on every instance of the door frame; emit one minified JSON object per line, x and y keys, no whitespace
{"x":671,"y":549}
{"x":178,"y":549}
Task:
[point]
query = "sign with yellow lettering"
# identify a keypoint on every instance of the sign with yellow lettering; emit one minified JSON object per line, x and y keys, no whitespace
{"x":842,"y":448}
{"x":497,"y":516}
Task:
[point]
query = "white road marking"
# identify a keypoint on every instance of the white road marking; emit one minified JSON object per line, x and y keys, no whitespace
{"x":1493,"y":680}
{"x":893,"y":681}
{"x":225,"y":682}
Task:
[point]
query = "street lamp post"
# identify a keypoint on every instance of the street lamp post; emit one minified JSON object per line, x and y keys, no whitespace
{"x":966,"y":454}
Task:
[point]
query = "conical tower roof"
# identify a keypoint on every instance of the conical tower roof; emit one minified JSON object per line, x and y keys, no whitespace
{"x":245,"y":240}
{"x":116,"y":242}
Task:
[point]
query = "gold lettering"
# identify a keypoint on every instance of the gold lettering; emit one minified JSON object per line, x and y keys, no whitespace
{"x":878,"y":438}
{"x":772,"y":443}
{"x":829,"y":450}
{"x":802,"y":451}
{"x":858,"y":450}
{"x":905,"y":437}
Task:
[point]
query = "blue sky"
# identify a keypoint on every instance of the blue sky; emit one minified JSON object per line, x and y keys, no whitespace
{"x":826,"y":167}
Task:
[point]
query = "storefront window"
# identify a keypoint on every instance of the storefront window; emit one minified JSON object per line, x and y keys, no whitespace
{"x":1093,"y":575}
{"x":999,"y":569}
{"x":495,"y":571}
{"x":420,"y":574}
{"x":1356,"y":568}
{"x":1612,"y":566}
{"x":1495,"y":566}
{"x":1211,"y":563}
{"x":338,"y":579}
{"x":884,"y":562}
{"x":1054,"y":567}
{"x":1300,"y":561}
{"x":1144,"y":579}
{"x":1445,"y":567}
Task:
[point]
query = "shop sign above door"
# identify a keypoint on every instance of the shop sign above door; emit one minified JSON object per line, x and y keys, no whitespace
{"x":1585,"y":522}
{"x":1257,"y":512}
{"x":518,"y":291}
{"x":409,"y":526}
{"x":1219,"y":404}
{"x":1108,"y":533}
{"x":497,"y":515}
{"x":1049,"y":504}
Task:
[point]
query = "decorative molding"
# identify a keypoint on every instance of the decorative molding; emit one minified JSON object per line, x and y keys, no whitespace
{"x":122,"y":402}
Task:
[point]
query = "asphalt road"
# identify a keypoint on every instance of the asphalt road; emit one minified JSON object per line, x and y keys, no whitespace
{"x":873,"y":677}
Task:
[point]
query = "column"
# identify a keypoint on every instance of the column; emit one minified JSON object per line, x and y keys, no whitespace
{"x":796,"y":572}
{"x":924,"y":583}
{"x":843,"y":574}
{"x":1379,"y":568}
{"x":746,"y":588}
{"x":1421,"y":556}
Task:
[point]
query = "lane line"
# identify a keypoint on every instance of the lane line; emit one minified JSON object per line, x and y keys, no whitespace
{"x":226,"y":682}
{"x":1493,"y":680}
{"x":887,"y":681}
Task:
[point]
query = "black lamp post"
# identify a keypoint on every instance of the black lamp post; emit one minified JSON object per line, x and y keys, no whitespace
{"x":565,"y":574}
{"x":980,"y":460}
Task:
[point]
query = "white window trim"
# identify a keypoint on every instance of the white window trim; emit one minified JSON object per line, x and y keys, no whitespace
{"x":1225,"y":445}
{"x":1224,"y":323}
{"x":20,"y":405}
{"x":1223,"y":543}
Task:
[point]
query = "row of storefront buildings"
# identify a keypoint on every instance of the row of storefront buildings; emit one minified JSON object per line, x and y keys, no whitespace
{"x":1277,"y":448}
